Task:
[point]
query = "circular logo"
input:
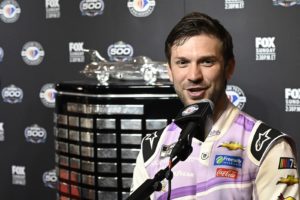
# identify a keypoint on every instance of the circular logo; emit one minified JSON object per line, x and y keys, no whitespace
{"x":9,"y":11}
{"x":91,"y":8}
{"x":47,"y":95}
{"x":120,"y":51}
{"x":204,"y":156}
{"x":190,"y":110}
{"x":32,"y":53}
{"x":236,"y":96}
{"x":50,"y":179}
{"x":141,"y":8}
{"x":220,"y":159}
{"x":1,"y":54}
{"x":12,"y":94}
{"x":35,"y":134}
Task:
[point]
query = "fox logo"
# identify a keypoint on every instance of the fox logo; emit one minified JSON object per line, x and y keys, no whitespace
{"x":232,"y":146}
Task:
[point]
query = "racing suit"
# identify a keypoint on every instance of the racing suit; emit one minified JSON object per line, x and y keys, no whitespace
{"x":241,"y":158}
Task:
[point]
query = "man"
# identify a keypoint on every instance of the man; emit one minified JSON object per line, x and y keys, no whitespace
{"x":241,"y":157}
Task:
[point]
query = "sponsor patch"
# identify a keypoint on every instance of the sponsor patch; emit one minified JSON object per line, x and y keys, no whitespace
{"x":214,"y":133}
{"x":204,"y":156}
{"x":232,"y":146}
{"x":226,"y":173}
{"x":264,"y":136}
{"x":286,"y":163}
{"x":166,"y":150}
{"x":149,"y":144}
{"x":281,"y":197}
{"x":289,"y":180}
{"x":233,"y":161}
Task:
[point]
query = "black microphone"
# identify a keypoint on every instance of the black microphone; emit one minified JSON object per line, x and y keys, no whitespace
{"x":191,"y":120}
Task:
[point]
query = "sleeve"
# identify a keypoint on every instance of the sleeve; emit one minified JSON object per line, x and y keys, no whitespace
{"x":278,"y":177}
{"x":139,"y":173}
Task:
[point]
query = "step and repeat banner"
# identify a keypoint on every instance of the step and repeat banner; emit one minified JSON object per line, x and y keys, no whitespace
{"x":42,"y":43}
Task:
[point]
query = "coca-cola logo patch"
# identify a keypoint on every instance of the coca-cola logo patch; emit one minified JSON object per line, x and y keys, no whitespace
{"x":227,"y":173}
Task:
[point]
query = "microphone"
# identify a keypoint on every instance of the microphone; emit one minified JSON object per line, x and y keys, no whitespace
{"x":191,"y":120}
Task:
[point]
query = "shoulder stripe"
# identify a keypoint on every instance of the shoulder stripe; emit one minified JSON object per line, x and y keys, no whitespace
{"x":263,"y":138}
{"x":149,"y":144}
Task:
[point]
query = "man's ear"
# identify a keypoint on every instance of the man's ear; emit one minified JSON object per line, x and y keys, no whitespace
{"x":170,"y":72}
{"x":229,"y":69}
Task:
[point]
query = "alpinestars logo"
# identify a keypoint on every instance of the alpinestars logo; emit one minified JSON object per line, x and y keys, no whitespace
{"x":265,"y":48}
{"x":151,"y":138}
{"x":234,"y":4}
{"x":292,"y":99}
{"x":263,"y":137}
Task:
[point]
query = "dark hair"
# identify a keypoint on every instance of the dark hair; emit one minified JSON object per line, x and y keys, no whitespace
{"x":197,"y":23}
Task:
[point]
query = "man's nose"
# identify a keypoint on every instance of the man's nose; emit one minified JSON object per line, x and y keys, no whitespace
{"x":195,"y":73}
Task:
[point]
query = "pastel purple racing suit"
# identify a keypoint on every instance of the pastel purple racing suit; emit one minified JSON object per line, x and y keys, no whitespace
{"x":241,"y":158}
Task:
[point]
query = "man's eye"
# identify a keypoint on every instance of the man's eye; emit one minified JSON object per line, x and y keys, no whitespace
{"x":181,"y":63}
{"x":208,"y":63}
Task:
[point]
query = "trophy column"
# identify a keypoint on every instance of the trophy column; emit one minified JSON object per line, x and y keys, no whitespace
{"x":98,"y":132}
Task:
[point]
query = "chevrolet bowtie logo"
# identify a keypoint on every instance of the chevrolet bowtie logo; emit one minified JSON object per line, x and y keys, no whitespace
{"x":289,"y":180}
{"x":232,"y":146}
{"x":281,"y":197}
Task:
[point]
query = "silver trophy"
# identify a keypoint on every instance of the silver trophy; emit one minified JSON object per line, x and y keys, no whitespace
{"x":138,"y":68}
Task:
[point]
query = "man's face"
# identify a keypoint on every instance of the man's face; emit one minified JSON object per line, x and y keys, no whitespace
{"x":197,"y":70}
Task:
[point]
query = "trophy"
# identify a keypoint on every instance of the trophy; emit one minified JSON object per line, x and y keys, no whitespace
{"x":140,"y":68}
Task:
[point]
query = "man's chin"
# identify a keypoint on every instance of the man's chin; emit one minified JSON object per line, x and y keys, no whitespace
{"x":192,"y":101}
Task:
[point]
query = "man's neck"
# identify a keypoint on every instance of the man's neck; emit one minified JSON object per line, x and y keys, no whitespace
{"x":220,"y":107}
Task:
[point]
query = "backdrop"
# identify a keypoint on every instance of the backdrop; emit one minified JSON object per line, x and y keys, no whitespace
{"x":42,"y":41}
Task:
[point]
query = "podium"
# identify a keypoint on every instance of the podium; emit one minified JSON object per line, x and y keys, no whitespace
{"x":98,"y":132}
